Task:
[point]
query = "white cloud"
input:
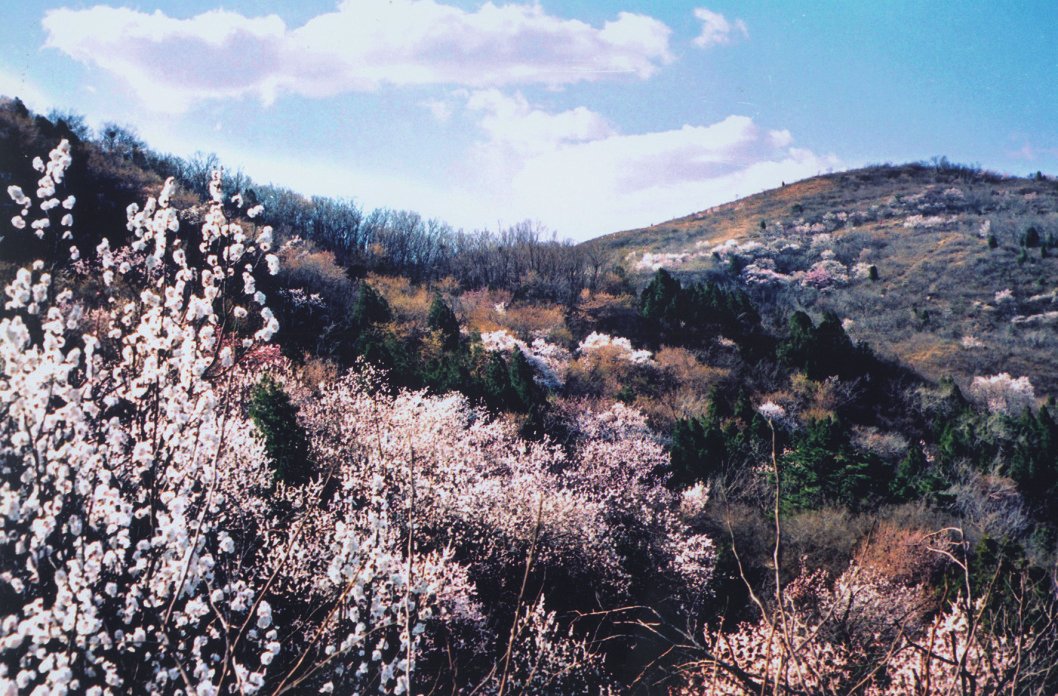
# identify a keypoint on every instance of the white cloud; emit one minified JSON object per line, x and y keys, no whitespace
{"x":172,"y":62}
{"x":12,"y":85}
{"x":511,"y":123}
{"x":315,"y":176}
{"x":717,"y":30}
{"x":440,"y":109}
{"x":570,"y":169}
{"x":363,"y":44}
{"x":575,"y":173}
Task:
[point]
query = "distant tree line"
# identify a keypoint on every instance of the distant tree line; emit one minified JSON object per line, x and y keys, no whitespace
{"x":524,"y":258}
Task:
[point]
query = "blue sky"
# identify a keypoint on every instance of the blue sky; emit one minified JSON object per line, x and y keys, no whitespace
{"x":588,"y":117}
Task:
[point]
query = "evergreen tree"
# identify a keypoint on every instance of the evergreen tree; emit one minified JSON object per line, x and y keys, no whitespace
{"x":698,"y":450}
{"x":370,"y":307}
{"x":496,"y":381}
{"x":796,"y":350}
{"x":446,"y":372}
{"x":1034,"y":459}
{"x":913,"y":478}
{"x":276,"y":418}
{"x":824,"y":350}
{"x":823,"y":468}
{"x":660,"y":298}
{"x":524,"y":389}
{"x":699,"y":310}
{"x":442,"y":319}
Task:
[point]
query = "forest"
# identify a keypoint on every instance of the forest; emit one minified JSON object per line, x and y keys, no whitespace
{"x":261,"y":443}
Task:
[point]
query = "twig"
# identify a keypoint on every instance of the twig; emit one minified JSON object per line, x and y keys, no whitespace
{"x":521,"y":595}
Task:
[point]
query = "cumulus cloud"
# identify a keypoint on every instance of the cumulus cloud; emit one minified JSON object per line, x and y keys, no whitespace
{"x":171,"y":62}
{"x":576,"y":173}
{"x":511,"y":123}
{"x":717,"y":30}
{"x":361,"y":45}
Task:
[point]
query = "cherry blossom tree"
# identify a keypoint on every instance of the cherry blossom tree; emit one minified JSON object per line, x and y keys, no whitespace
{"x":1004,"y":394}
{"x":142,"y":544}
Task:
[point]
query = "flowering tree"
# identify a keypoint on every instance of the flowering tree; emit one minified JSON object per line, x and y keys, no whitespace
{"x":863,"y":632}
{"x":594,"y":516}
{"x":550,"y":362}
{"x":483,"y":491}
{"x":141,"y":543}
{"x":619,"y":346}
{"x":1004,"y":394}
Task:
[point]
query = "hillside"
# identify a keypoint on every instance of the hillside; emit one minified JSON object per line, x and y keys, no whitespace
{"x":261,"y":443}
{"x":964,"y":286}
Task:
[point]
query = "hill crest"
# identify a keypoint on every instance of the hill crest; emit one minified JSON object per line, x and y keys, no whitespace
{"x":948,"y":268}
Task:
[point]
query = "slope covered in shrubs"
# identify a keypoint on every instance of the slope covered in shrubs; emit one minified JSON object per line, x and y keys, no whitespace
{"x":247,"y":453}
{"x":947,"y":268}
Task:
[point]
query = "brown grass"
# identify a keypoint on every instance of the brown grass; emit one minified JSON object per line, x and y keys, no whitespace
{"x":936,"y":284}
{"x":410,"y":303}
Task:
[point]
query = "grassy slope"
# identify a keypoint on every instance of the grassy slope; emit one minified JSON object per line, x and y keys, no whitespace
{"x":934,"y":306}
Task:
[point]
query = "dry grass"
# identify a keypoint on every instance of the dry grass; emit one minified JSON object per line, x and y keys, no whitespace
{"x":681,"y":388}
{"x":482,"y":310}
{"x":899,"y":553}
{"x":937,"y":282}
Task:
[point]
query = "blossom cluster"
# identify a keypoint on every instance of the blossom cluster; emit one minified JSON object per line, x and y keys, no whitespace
{"x":550,"y":361}
{"x":1004,"y":394}
{"x":932,"y":200}
{"x":1041,"y":318}
{"x":858,"y":631}
{"x":930,"y":221}
{"x":952,"y":651}
{"x":652,"y":261}
{"x":621,"y":347}
{"x":144,"y":544}
{"x":824,"y":274}
{"x":810,"y":242}
{"x":861,"y":271}
{"x":53,"y":174}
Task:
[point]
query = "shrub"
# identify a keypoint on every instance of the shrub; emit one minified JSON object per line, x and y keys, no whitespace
{"x":147,"y":550}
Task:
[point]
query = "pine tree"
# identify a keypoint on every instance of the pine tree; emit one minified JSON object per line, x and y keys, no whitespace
{"x":370,"y":307}
{"x":660,"y":298}
{"x":443,"y":320}
{"x":524,"y":389}
{"x":276,"y":417}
